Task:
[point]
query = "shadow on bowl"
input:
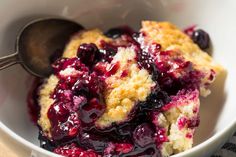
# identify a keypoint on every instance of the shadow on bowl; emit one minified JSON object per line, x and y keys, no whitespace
{"x":210,"y":110}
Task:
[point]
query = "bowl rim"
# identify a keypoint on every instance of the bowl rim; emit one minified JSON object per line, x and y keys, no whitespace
{"x":227,"y":130}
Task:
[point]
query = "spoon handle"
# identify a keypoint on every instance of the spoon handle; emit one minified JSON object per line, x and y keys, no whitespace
{"x":9,"y":60}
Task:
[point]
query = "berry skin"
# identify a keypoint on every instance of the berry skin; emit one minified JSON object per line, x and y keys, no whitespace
{"x":91,"y":111}
{"x":65,"y":124}
{"x":94,"y":142}
{"x":143,"y":135}
{"x":118,"y":31}
{"x":201,"y":38}
{"x":88,"y":54}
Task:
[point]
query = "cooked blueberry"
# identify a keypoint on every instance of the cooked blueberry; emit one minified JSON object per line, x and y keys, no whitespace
{"x":114,"y":33}
{"x":91,"y":111}
{"x":143,"y":135}
{"x":201,"y":38}
{"x":136,"y":35}
{"x":94,"y":142}
{"x":155,"y":100}
{"x":80,"y":88}
{"x":155,"y":72}
{"x":118,"y":31}
{"x":161,"y":95}
{"x":88,"y":85}
{"x":145,"y":60}
{"x":108,"y":50}
{"x":65,"y":124}
{"x":45,"y":142}
{"x":58,"y":112}
{"x":88,"y":53}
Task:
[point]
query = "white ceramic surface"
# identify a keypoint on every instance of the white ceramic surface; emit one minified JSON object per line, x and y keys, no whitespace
{"x":217,"y":17}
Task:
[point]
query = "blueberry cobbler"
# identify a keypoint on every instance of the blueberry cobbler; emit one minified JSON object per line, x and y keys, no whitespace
{"x":125,"y":93}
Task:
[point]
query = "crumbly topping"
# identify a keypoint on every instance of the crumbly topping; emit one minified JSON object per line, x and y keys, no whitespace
{"x":45,"y":101}
{"x":122,"y":93}
{"x":180,"y":118}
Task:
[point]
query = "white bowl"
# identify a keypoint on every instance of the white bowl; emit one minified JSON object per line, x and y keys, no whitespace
{"x":218,"y":121}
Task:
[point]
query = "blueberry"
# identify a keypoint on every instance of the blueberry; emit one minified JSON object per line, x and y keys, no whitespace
{"x":91,"y":111}
{"x":118,"y":31}
{"x":88,"y":54}
{"x":80,"y":88}
{"x":155,"y":100}
{"x":145,"y":60}
{"x":107,"y":51}
{"x":89,"y":85}
{"x":135,"y":36}
{"x":155,"y":72}
{"x":143,"y":135}
{"x":94,"y":142}
{"x":45,"y":142}
{"x":201,"y":38}
{"x":114,"y":33}
{"x":58,"y":112}
{"x":161,"y":96}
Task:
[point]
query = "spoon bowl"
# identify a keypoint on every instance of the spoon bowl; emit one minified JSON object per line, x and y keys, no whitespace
{"x":39,"y":43}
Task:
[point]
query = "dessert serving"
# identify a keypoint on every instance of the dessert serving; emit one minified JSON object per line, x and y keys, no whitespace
{"x":125,"y":93}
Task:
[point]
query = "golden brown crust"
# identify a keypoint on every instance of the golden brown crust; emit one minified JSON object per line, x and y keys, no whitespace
{"x":172,"y":38}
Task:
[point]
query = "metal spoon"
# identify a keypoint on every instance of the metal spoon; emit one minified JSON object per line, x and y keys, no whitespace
{"x":38,"y":42}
